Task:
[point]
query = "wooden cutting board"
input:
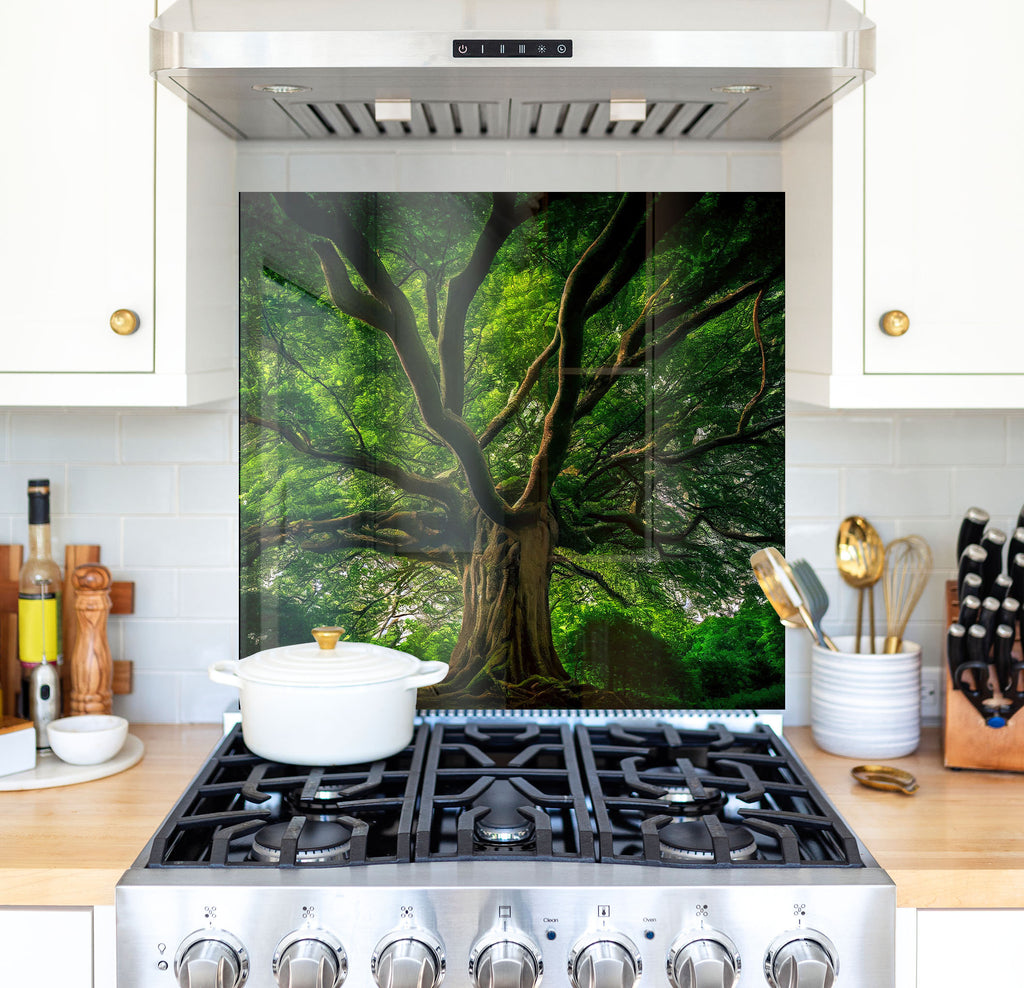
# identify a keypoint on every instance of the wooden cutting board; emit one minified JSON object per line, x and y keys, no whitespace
{"x":50,"y":771}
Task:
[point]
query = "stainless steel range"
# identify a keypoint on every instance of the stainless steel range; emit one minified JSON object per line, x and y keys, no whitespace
{"x":590,"y":851}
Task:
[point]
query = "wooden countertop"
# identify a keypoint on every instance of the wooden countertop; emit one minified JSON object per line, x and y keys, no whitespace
{"x":68,"y":846}
{"x":959,"y":842}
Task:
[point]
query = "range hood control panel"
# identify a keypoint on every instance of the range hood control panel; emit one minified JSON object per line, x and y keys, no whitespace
{"x":514,"y":48}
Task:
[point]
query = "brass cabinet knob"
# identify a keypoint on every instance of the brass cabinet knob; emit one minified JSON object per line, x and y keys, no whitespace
{"x":124,"y":322}
{"x":895,"y":323}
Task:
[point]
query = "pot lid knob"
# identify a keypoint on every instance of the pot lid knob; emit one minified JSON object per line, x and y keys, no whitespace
{"x":327,"y":636}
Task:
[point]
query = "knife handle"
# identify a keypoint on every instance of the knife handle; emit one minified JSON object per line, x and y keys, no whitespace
{"x":993,"y":542}
{"x":988,"y":619}
{"x":972,"y":560}
{"x":970,"y":608}
{"x":1016,"y":545}
{"x":955,"y":650}
{"x":971,"y":528}
{"x":1000,"y":587}
{"x":977,"y":660}
{"x":1002,"y":661}
{"x":1017,"y":576}
{"x":1009,"y":612}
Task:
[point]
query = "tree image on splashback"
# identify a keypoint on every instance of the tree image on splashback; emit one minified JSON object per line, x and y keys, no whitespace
{"x":534,"y":435}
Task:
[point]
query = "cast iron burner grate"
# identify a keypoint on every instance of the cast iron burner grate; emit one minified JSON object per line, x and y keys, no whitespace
{"x":631,"y":792}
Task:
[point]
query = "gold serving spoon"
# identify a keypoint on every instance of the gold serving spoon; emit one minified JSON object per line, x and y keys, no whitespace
{"x":860,"y":558}
{"x":783,"y":592}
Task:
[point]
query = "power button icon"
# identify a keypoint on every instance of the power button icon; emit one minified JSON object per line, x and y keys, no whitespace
{"x":463,"y":49}
{"x":561,"y":49}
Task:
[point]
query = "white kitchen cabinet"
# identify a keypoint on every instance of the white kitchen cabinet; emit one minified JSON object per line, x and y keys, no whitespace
{"x":47,"y":947}
{"x":905,"y":198}
{"x":96,"y":219}
{"x":969,"y":947}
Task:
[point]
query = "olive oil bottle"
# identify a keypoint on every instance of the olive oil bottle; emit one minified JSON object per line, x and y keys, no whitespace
{"x":39,"y":593}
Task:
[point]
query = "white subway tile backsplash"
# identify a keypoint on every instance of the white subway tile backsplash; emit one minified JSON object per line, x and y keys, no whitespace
{"x":673,"y":173}
{"x":208,"y":593}
{"x":574,"y":170}
{"x":181,"y":437}
{"x":755,"y":172}
{"x":158,"y":645}
{"x":1015,"y":439}
{"x":469,"y":171}
{"x":897,"y":492}
{"x":14,"y":478}
{"x":964,"y":440}
{"x":79,"y":437}
{"x":1000,"y":491}
{"x":261,"y":172}
{"x":154,"y":699}
{"x":342,"y":172}
{"x":205,"y":490}
{"x":121,"y":489}
{"x":812,"y":439}
{"x":812,"y":492}
{"x":156,"y":592}
{"x":178,"y":542}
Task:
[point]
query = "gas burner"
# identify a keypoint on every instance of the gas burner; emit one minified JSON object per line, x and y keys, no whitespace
{"x":318,"y":843}
{"x":502,"y":823}
{"x":681,"y":801}
{"x":690,"y":841}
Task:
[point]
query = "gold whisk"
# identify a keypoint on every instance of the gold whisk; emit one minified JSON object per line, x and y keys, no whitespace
{"x":908,"y":564}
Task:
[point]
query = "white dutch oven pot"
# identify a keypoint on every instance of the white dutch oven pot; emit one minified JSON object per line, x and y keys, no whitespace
{"x":328,"y":703}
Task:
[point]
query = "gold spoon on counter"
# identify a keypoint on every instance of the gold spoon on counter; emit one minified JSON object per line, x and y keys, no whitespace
{"x":860,"y":558}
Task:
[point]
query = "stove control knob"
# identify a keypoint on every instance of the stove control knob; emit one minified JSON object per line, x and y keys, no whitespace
{"x":801,"y":959}
{"x":408,"y":959}
{"x":211,"y":959}
{"x":707,"y":960}
{"x":310,"y":959}
{"x":505,"y":960}
{"x":605,"y":960}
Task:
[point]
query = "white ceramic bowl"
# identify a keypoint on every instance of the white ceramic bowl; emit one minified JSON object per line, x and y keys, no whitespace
{"x":88,"y":739}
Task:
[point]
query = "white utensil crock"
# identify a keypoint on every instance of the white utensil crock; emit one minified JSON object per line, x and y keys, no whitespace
{"x":866,"y":706}
{"x":304,"y":705}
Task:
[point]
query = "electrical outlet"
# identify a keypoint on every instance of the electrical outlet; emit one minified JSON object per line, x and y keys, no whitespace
{"x":931,"y":694}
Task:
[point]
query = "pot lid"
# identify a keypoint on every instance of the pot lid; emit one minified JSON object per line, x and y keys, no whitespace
{"x":332,"y":664}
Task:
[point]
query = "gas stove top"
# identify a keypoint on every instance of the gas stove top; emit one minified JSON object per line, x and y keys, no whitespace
{"x":490,"y":852}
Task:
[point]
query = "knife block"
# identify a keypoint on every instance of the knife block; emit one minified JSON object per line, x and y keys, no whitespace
{"x":967,"y":741}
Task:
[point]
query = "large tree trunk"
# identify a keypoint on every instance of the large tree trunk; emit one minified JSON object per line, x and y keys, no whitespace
{"x":505,"y":651}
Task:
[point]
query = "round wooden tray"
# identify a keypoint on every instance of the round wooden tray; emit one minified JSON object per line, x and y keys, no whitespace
{"x":50,"y":771}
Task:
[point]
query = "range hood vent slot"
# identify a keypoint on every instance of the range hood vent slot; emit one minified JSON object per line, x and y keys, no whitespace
{"x":355,"y":120}
{"x":591,"y":119}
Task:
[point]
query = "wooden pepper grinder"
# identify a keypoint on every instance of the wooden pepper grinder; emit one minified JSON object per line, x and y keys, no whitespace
{"x":92,"y":670}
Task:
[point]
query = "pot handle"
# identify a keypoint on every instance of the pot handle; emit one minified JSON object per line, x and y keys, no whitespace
{"x":430,"y":673}
{"x":224,"y":672}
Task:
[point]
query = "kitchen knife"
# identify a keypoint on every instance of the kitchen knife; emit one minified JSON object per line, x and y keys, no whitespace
{"x":972,"y":560}
{"x":971,"y":587}
{"x":1000,"y":587}
{"x":971,"y":528}
{"x":988,"y":619}
{"x":1020,"y":518}
{"x":970,"y":608}
{"x":1016,"y":545}
{"x":976,"y":664}
{"x":1016,"y":568}
{"x":993,"y":542}
{"x":1009,"y":612}
{"x":1002,"y":660}
{"x":955,"y":650}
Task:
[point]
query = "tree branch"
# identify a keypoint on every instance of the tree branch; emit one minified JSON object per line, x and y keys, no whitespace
{"x":591,"y":574}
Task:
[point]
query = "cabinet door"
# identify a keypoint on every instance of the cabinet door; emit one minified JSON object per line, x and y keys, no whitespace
{"x":46,"y":948}
{"x":969,"y":947}
{"x":78,"y":180}
{"x":944,"y":133}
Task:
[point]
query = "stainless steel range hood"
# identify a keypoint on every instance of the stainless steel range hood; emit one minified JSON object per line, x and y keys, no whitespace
{"x":591,"y":69}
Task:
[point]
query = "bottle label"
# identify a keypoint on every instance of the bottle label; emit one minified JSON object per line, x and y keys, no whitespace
{"x":38,"y":629}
